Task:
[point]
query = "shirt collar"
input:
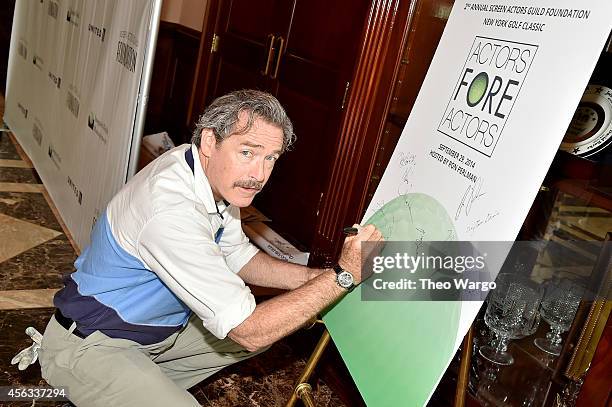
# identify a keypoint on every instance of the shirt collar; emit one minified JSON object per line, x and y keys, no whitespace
{"x":202,"y":187}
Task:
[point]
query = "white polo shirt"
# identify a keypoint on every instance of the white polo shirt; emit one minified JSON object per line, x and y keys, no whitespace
{"x":154,"y":258}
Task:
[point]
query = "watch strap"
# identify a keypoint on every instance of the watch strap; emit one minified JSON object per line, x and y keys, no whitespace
{"x":338,"y":269}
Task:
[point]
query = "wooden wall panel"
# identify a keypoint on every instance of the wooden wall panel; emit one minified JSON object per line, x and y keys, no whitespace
{"x":428,"y":23}
{"x":172,"y":81}
{"x":364,"y":120}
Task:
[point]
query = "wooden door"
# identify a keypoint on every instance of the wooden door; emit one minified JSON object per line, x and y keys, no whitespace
{"x":244,"y":30}
{"x":310,"y":65}
{"x":314,"y":73}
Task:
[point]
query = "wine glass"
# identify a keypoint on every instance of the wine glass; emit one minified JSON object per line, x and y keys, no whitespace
{"x":512,"y":313}
{"x":558,"y":308}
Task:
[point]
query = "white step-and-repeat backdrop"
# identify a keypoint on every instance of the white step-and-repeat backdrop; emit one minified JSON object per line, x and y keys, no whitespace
{"x":76,"y":95}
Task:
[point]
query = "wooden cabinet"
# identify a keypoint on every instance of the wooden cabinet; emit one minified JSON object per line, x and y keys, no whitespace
{"x":573,"y":211}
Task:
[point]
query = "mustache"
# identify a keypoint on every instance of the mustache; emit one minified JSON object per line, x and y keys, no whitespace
{"x":251,"y":184}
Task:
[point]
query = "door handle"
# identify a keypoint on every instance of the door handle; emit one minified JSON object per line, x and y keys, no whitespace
{"x":278,"y":57}
{"x":270,"y":54}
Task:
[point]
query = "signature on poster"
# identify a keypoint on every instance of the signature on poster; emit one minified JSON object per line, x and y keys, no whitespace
{"x":471,"y":195}
{"x":407,"y":162}
{"x":419,"y":240}
{"x":482,"y":221}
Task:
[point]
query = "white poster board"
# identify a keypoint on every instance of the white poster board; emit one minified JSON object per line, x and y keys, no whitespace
{"x":75,"y":95}
{"x":498,"y":97}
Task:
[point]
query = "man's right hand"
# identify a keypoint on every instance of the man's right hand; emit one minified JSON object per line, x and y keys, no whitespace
{"x":285,"y":313}
{"x":350,"y":258}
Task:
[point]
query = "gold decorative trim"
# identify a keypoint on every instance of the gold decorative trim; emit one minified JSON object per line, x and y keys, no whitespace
{"x":589,"y":339}
{"x":596,"y":320}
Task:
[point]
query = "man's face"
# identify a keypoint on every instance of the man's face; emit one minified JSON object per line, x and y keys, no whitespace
{"x":240,"y":165}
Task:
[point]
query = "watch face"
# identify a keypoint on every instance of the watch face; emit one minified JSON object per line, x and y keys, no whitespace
{"x":345,"y":279}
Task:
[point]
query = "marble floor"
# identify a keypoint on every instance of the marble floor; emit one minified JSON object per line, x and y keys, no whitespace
{"x":35,"y":252}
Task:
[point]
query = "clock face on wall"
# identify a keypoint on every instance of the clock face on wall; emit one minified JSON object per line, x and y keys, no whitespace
{"x":590,"y":131}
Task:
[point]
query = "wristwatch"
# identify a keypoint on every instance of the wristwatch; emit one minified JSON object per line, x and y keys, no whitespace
{"x":344,"y":278}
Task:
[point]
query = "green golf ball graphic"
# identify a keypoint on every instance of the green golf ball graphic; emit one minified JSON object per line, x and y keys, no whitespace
{"x":477,"y":89}
{"x":381,"y":340}
{"x":411,"y":217}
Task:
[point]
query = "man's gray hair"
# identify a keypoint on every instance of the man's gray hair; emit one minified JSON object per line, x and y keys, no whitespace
{"x":221,"y":116}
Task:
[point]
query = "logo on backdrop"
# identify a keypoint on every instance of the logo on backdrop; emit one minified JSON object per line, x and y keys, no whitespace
{"x":38,"y":62}
{"x":73,"y":17}
{"x":99,"y":32}
{"x":77,"y":192}
{"x":54,"y":156}
{"x":37,"y":132}
{"x":487,"y":88}
{"x":98,"y":127}
{"x":73,"y":104}
{"x":22,"y":49}
{"x":52,"y":9}
{"x":57,"y":81}
{"x":95,"y":218}
{"x":126,"y":50}
{"x":23,"y":109}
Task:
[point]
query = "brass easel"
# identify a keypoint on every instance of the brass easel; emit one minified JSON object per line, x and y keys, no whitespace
{"x":463,"y":378}
{"x":303,"y":390}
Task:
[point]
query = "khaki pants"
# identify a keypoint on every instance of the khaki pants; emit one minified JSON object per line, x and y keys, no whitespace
{"x":103,"y":371}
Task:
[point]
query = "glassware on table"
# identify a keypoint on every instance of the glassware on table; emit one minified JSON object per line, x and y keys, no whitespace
{"x":512,"y":313}
{"x":558,"y":308}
